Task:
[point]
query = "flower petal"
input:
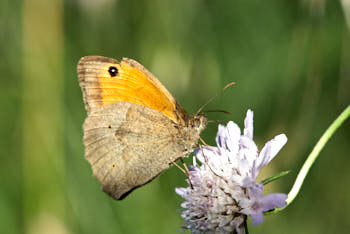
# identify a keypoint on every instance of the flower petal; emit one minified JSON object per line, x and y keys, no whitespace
{"x":248,"y":150}
{"x":248,"y":125}
{"x":270,"y":150}
{"x":273,"y":200}
{"x":181,"y":191}
{"x":221,"y":136}
{"x":257,"y":218}
{"x":209,"y":152}
{"x":255,"y":190}
{"x":228,"y":137}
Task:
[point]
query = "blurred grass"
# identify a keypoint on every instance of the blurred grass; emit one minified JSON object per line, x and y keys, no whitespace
{"x":291,"y":64}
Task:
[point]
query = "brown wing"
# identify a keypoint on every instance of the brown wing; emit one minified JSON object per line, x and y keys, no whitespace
{"x":105,"y":81}
{"x":128,"y":145}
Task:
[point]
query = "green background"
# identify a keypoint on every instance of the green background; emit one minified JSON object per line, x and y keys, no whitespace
{"x":291,"y":64}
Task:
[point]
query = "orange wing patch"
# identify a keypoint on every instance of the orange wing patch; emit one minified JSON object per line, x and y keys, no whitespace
{"x":105,"y":81}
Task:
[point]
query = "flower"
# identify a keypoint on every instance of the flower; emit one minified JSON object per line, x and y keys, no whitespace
{"x":223,"y":190}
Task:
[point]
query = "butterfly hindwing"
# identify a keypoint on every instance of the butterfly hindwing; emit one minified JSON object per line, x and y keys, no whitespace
{"x":128,"y":145}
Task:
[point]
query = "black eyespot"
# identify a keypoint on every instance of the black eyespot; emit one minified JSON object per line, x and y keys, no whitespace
{"x":113,"y":71}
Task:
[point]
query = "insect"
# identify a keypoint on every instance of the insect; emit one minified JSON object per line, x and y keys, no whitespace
{"x":135,"y":129}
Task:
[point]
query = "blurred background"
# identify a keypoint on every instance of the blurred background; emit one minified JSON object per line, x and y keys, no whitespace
{"x":291,"y":64}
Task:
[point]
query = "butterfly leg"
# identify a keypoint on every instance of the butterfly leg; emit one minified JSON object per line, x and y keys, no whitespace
{"x":204,"y":143}
{"x":185,"y":171}
{"x":181,"y":169}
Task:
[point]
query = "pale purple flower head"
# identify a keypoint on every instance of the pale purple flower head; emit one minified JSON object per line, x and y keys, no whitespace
{"x":223,"y":189}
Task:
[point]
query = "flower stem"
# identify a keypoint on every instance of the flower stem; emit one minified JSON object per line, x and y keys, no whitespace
{"x":246,"y":226}
{"x":313,"y":156}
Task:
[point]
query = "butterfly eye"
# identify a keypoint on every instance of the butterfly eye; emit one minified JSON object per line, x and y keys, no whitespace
{"x":113,"y":71}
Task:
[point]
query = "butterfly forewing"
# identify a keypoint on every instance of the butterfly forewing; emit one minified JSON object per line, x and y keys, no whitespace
{"x":105,"y":81}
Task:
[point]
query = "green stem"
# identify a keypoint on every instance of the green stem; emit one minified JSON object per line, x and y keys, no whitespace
{"x":312,"y":157}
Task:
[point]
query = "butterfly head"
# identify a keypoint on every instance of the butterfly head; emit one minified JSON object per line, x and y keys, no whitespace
{"x":198,"y":121}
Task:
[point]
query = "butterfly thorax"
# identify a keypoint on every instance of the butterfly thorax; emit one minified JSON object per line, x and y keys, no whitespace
{"x":190,"y":133}
{"x":192,"y":124}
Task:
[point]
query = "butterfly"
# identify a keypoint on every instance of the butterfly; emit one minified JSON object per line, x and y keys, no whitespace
{"x":134,"y":128}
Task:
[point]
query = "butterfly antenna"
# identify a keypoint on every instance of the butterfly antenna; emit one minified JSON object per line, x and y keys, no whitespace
{"x":212,"y":98}
{"x":215,"y":121}
{"x":222,"y":111}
